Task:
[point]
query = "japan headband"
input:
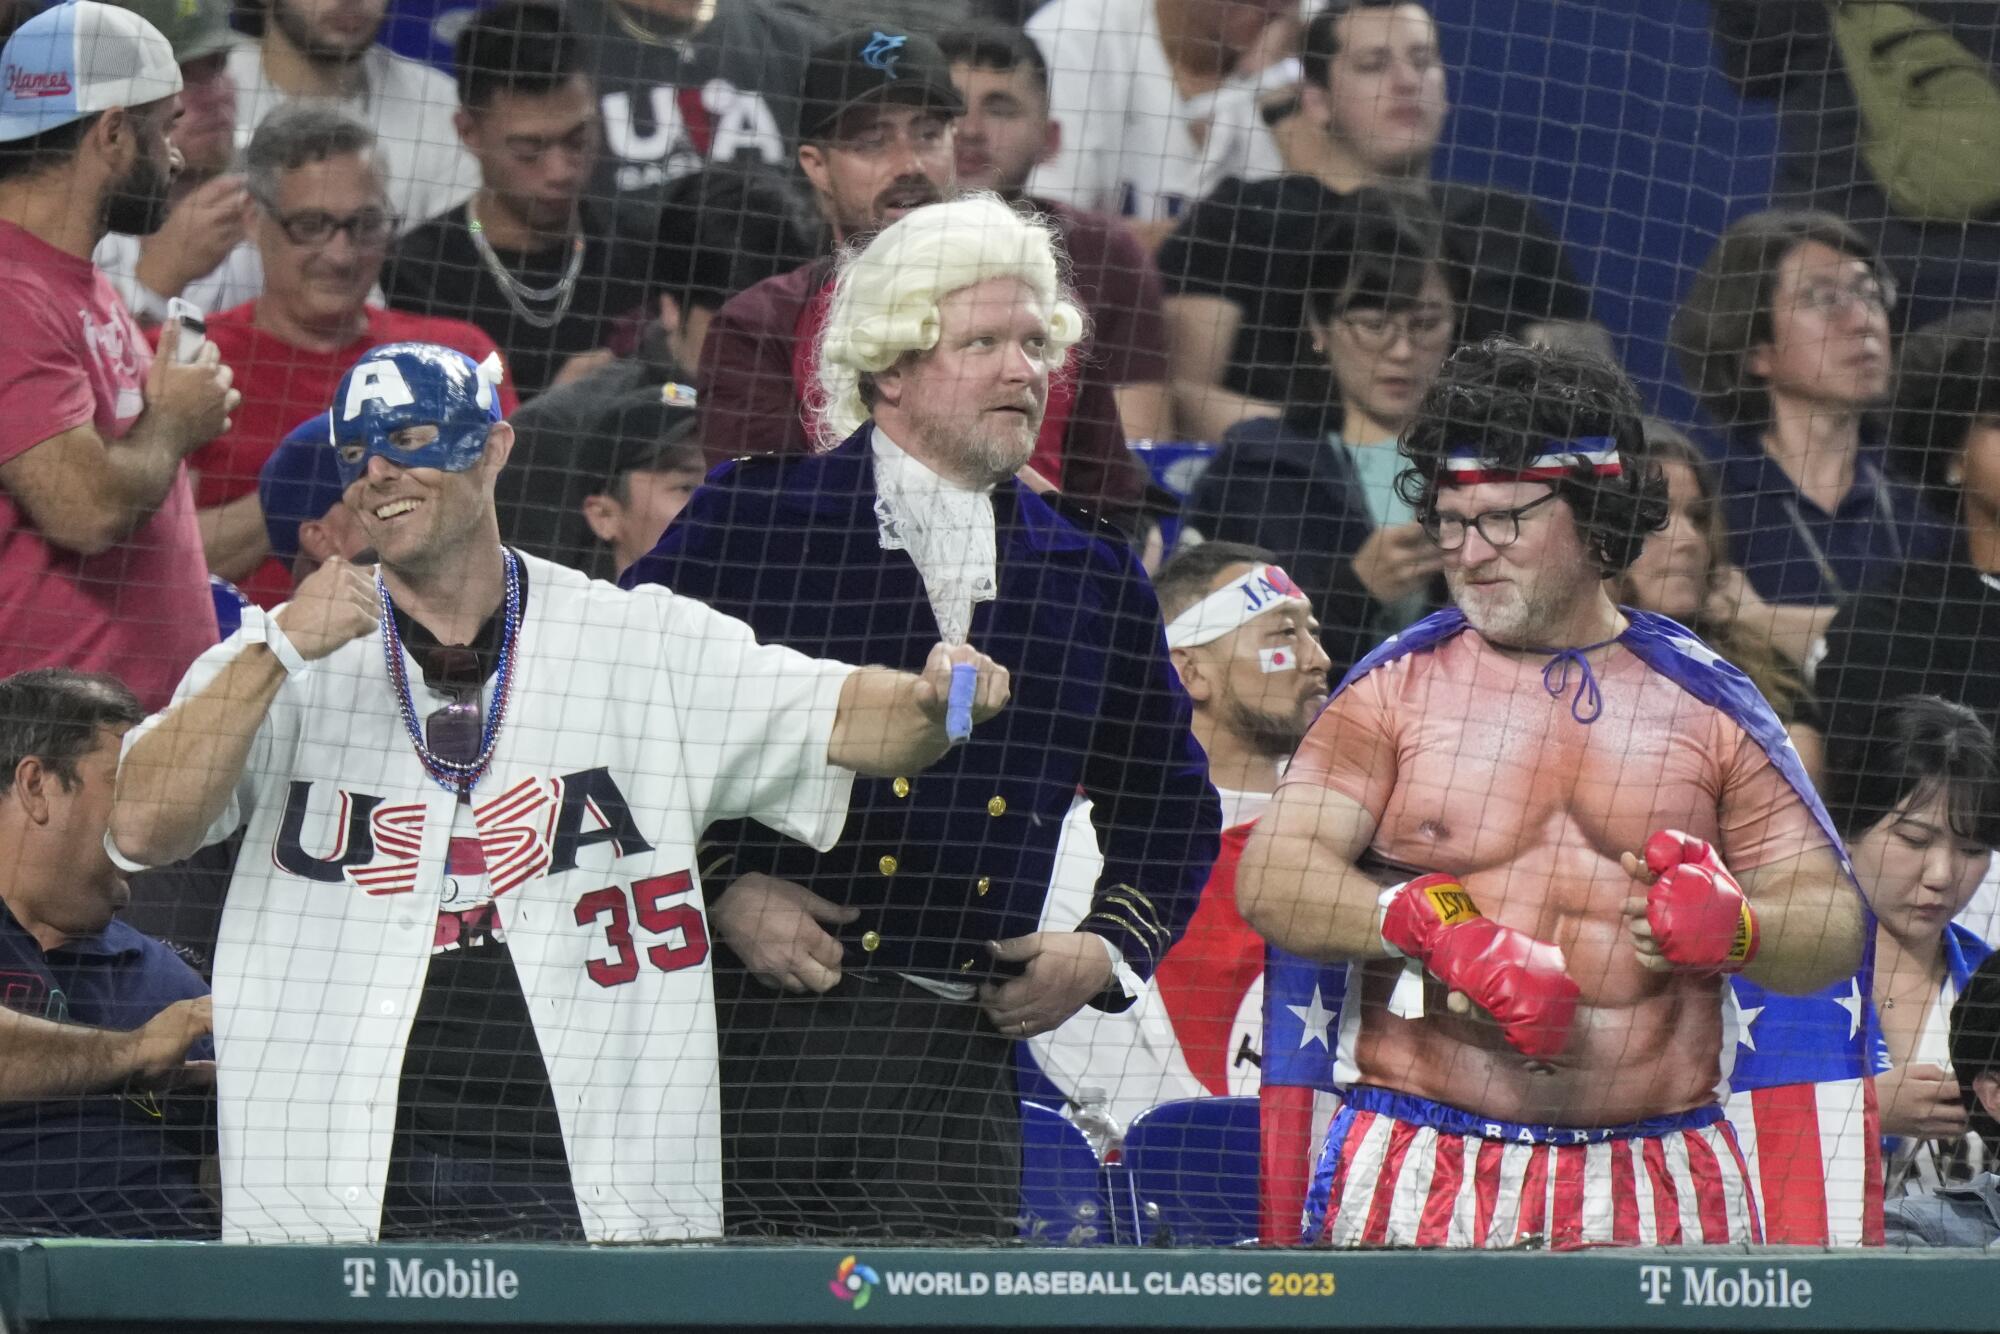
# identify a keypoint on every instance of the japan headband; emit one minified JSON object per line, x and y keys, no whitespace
{"x":1233,"y":606}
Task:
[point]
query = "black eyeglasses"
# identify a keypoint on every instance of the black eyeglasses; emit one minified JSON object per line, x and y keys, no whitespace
{"x":369,"y":228}
{"x":453,"y":732}
{"x":1500,"y":528}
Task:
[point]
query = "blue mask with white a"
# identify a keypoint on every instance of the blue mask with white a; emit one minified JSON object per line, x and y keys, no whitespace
{"x":398,"y":386}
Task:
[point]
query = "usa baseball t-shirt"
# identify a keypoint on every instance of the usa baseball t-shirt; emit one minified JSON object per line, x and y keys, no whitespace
{"x":671,"y":106}
{"x":73,"y":356}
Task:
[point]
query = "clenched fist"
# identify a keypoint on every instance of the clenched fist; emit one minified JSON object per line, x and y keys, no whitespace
{"x":989,"y":696}
{"x":1694,"y":917}
{"x":335,"y":604}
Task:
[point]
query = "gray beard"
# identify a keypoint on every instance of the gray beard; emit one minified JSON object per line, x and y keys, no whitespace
{"x":978,"y":459}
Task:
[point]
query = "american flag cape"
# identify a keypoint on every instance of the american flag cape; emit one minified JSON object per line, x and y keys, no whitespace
{"x":1799,"y":1073}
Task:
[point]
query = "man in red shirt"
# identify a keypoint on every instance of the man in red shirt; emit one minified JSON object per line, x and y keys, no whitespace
{"x":100,"y":562}
{"x":876,"y":141}
{"x":320,"y":217}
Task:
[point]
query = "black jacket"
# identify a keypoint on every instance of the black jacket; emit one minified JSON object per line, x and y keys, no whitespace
{"x":941,"y":862}
{"x":1934,"y":630}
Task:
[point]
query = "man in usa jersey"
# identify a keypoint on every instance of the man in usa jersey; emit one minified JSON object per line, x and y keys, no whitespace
{"x":463,"y":983}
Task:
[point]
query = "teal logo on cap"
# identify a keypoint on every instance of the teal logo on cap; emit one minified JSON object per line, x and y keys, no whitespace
{"x":882,"y":52}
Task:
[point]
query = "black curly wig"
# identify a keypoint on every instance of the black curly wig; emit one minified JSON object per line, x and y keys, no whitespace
{"x":1513,"y":403}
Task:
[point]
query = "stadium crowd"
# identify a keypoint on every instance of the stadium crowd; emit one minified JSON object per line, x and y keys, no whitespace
{"x":680,"y":615}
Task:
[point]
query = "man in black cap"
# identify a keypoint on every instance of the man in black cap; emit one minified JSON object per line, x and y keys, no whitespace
{"x":877,"y":120}
{"x":1967,"y":1214}
{"x":646,"y":459}
{"x":595,"y":487}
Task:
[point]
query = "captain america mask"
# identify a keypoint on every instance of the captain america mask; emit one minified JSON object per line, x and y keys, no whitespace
{"x":418,"y":405}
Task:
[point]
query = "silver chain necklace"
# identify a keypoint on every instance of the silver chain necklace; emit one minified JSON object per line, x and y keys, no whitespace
{"x":518,"y":293}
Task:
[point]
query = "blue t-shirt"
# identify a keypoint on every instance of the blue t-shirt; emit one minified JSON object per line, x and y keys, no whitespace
{"x":1795,"y":552}
{"x":108,"y":1164}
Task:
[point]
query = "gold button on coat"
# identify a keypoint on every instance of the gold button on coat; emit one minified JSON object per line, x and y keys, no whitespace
{"x":888,"y":865}
{"x":996,"y":806}
{"x":871,"y":941}
{"x":985,"y":883}
{"x":901,"y":787}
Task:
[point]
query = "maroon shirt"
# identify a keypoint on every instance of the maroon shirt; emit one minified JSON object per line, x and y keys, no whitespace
{"x":1119,"y":285}
{"x":748,"y":390}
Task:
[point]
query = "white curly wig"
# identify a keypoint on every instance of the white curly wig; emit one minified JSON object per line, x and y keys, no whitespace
{"x":885,"y":300}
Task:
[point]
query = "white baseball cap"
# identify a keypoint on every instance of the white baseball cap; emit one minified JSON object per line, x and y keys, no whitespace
{"x":78,"y":58}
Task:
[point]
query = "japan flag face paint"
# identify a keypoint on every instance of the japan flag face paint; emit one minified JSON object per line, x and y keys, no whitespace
{"x":1277,"y":660}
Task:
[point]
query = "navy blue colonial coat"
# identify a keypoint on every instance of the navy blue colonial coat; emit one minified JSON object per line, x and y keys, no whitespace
{"x":941,"y":862}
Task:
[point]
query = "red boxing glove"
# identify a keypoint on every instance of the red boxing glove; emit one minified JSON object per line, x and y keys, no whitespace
{"x":1512,"y":976}
{"x":1697,"y":911}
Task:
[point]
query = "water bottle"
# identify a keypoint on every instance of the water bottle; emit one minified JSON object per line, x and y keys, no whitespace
{"x":1090,"y":1112}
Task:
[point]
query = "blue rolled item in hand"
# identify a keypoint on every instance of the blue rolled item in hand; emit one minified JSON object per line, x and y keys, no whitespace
{"x":958,"y":705}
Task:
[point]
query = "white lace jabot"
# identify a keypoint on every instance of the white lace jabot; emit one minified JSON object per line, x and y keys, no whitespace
{"x":946,"y":528}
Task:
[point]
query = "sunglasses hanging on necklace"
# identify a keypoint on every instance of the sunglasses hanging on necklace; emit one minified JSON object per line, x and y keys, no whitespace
{"x":453,"y":743}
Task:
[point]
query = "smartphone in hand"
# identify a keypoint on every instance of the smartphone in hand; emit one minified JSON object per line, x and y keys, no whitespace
{"x":193,"y":329}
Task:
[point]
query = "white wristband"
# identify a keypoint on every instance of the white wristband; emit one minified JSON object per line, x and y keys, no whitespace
{"x":119,"y":859}
{"x":1406,"y":998}
{"x":1382,"y":901}
{"x":260,"y":627}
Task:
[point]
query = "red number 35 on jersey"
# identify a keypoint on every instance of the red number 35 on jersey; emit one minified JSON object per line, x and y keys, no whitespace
{"x":682,"y":932}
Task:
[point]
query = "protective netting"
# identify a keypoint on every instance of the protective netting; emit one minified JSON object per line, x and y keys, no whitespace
{"x":1489,"y":515}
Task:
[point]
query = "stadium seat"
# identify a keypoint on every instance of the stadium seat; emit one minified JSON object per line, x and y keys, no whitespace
{"x":1189,"y":1173}
{"x":1174,"y":466}
{"x":1063,"y":1199}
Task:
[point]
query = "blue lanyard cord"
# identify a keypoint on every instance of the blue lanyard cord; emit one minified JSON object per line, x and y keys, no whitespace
{"x":1587,"y":705}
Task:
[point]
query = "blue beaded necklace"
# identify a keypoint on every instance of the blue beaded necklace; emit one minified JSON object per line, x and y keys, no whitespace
{"x":457,"y":777}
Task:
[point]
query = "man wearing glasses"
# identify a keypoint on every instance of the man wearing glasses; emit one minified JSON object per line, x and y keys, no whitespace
{"x":1585,"y":820}
{"x":465,"y":955}
{"x":321,"y":221}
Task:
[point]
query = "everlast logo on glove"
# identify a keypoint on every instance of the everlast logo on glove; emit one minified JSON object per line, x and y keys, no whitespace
{"x":1452,"y":904}
{"x":1746,"y":938}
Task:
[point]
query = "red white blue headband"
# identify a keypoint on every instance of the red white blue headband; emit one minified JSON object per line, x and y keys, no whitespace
{"x":1464,"y":465}
{"x":1233,"y":606}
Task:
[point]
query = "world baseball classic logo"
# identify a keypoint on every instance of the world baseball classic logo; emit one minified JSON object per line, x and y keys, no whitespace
{"x":853,"y":1282}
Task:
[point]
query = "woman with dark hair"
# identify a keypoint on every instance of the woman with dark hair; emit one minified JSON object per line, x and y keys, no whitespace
{"x":1679,"y":574}
{"x":1785,"y":336}
{"x":1317,"y":485}
{"x":1918,"y":804}
{"x":1936,"y":630}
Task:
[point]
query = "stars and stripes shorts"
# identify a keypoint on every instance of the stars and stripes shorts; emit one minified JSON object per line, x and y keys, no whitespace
{"x":1399,"y":1170}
